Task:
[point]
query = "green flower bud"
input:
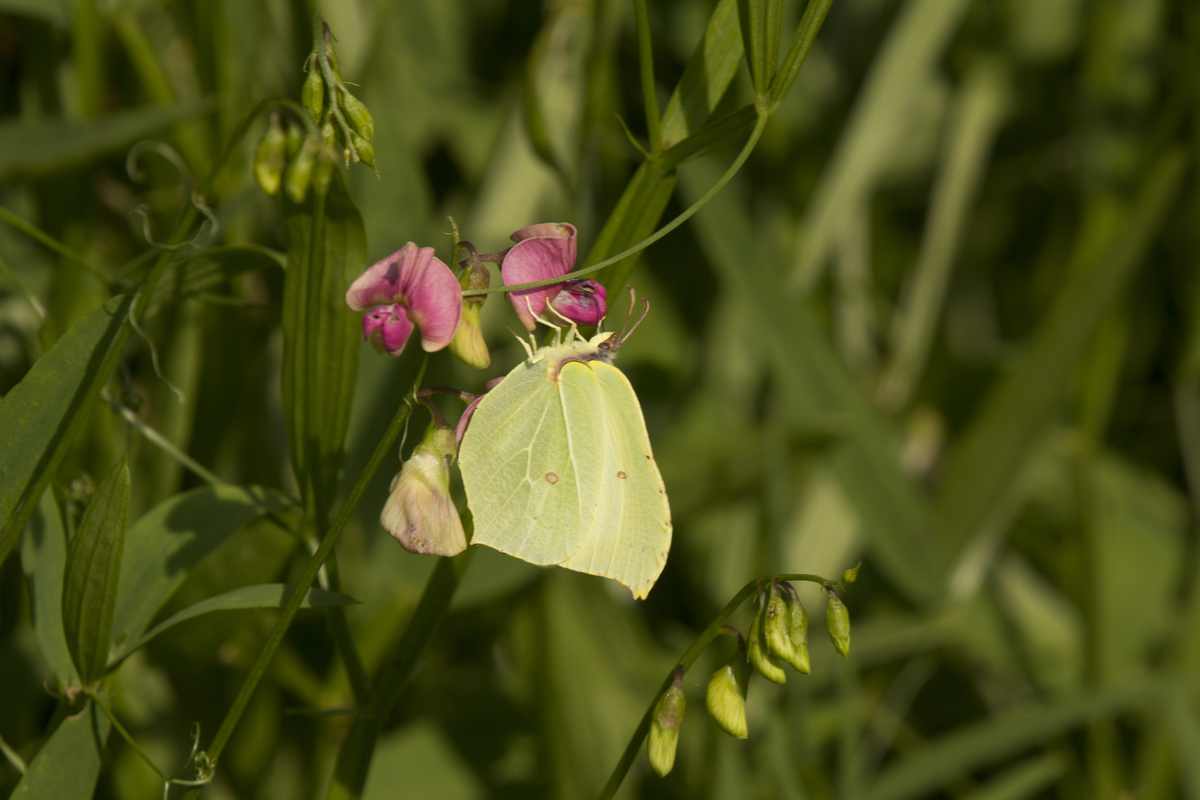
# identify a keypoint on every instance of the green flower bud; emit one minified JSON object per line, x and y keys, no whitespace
{"x":664,"y":728}
{"x":775,"y":625}
{"x":767,"y":665}
{"x":851,"y":575}
{"x":269,"y":157}
{"x":359,"y":116}
{"x":726,"y":696}
{"x":363,"y":150}
{"x":798,"y":633}
{"x":329,"y":133}
{"x":299,"y":172}
{"x":323,"y":175}
{"x":837,"y":619}
{"x":312,"y":95}
{"x":295,"y":138}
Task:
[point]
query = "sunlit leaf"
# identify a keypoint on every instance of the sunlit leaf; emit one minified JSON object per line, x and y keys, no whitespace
{"x":68,"y":764}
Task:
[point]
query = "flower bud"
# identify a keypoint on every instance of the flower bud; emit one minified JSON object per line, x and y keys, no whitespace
{"x":419,"y":513}
{"x":299,"y":172}
{"x":760,"y":656}
{"x":468,"y":345}
{"x":837,"y":619}
{"x":726,"y":696}
{"x":851,"y":575}
{"x":323,"y":174}
{"x":295,"y":138}
{"x":775,"y":625}
{"x":269,"y":157}
{"x":359,"y":116}
{"x":664,"y":727}
{"x":363,"y":150}
{"x":798,"y":633}
{"x":312,"y":95}
{"x":329,"y":133}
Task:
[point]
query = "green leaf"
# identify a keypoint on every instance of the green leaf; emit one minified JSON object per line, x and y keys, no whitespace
{"x":170,"y":539}
{"x":1024,"y":780}
{"x":68,"y":764}
{"x":55,"y":12}
{"x":263,"y":595}
{"x":939,"y":762}
{"x":44,"y":559}
{"x":41,"y":415}
{"x":820,"y":394}
{"x":995,"y":445}
{"x":709,"y":71}
{"x":635,"y":217}
{"x":93,"y":570}
{"x":321,"y":335}
{"x":30,"y":149}
{"x":209,"y":269}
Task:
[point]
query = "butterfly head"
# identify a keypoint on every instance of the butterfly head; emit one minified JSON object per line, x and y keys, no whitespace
{"x":609,"y":343}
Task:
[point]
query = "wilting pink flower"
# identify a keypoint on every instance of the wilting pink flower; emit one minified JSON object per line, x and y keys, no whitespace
{"x":544,"y":251}
{"x":410,"y":287}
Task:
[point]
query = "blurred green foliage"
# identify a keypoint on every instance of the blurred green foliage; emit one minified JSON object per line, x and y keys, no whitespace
{"x":946,"y":321}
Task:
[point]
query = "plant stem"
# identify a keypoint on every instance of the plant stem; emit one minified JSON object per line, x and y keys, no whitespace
{"x":306,"y":580}
{"x":705,"y":638}
{"x":649,"y":240}
{"x":358,"y":748}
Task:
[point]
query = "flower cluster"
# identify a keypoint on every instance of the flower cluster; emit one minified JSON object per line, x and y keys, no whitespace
{"x":413,"y":289}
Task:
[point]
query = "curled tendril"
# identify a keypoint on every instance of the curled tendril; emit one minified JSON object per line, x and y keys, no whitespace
{"x":210,"y":226}
{"x":205,"y":767}
{"x":154,"y":357}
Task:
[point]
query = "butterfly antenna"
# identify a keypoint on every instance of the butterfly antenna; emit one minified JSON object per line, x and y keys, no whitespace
{"x":645,"y":310}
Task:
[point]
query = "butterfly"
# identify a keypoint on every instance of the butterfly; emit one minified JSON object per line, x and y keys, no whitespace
{"x":558,"y":469}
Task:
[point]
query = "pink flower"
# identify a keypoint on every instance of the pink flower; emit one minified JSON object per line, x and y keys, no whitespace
{"x":410,"y":287}
{"x":544,"y":251}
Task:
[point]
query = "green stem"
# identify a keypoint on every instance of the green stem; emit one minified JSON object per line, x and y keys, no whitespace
{"x":351,"y":658}
{"x":310,"y":573}
{"x":705,"y":638}
{"x":358,"y":748}
{"x":125,"y":734}
{"x":649,"y":240}
{"x":646,"y":65}
{"x":37,"y":234}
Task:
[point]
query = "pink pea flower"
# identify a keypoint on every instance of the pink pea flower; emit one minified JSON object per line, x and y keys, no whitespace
{"x":544,"y":251}
{"x":409,"y":287}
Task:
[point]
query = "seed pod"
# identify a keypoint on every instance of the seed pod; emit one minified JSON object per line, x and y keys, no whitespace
{"x":664,"y":728}
{"x":798,"y":633}
{"x":312,"y":95}
{"x":837,"y":619}
{"x":775,"y":625}
{"x":269,"y":157}
{"x":359,"y":116}
{"x":726,"y":696}
{"x":363,"y":150}
{"x":299,"y":172}
{"x":329,"y":133}
{"x":767,"y":665}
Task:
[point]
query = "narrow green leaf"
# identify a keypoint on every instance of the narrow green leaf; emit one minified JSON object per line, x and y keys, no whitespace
{"x":990,"y":452}
{"x":917,"y":39}
{"x":321,"y":335}
{"x":1024,"y":780}
{"x":171,"y":538}
{"x":40,"y":416}
{"x":209,"y":269}
{"x":752,"y":16}
{"x":93,"y":570}
{"x":820,"y":394}
{"x":937,"y":763}
{"x":30,"y":149}
{"x":68,"y":764}
{"x":44,"y":559}
{"x":709,"y":71}
{"x":263,"y":595}
{"x":635,"y":217}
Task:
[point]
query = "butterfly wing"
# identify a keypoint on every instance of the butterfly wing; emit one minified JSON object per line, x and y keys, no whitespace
{"x":630,"y":533}
{"x":526,"y":466}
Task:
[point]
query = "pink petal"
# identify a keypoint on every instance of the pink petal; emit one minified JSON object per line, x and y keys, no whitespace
{"x":414,"y":278}
{"x":387,"y":328}
{"x":582,"y":301}
{"x":542,"y":251}
{"x":381,"y":281}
